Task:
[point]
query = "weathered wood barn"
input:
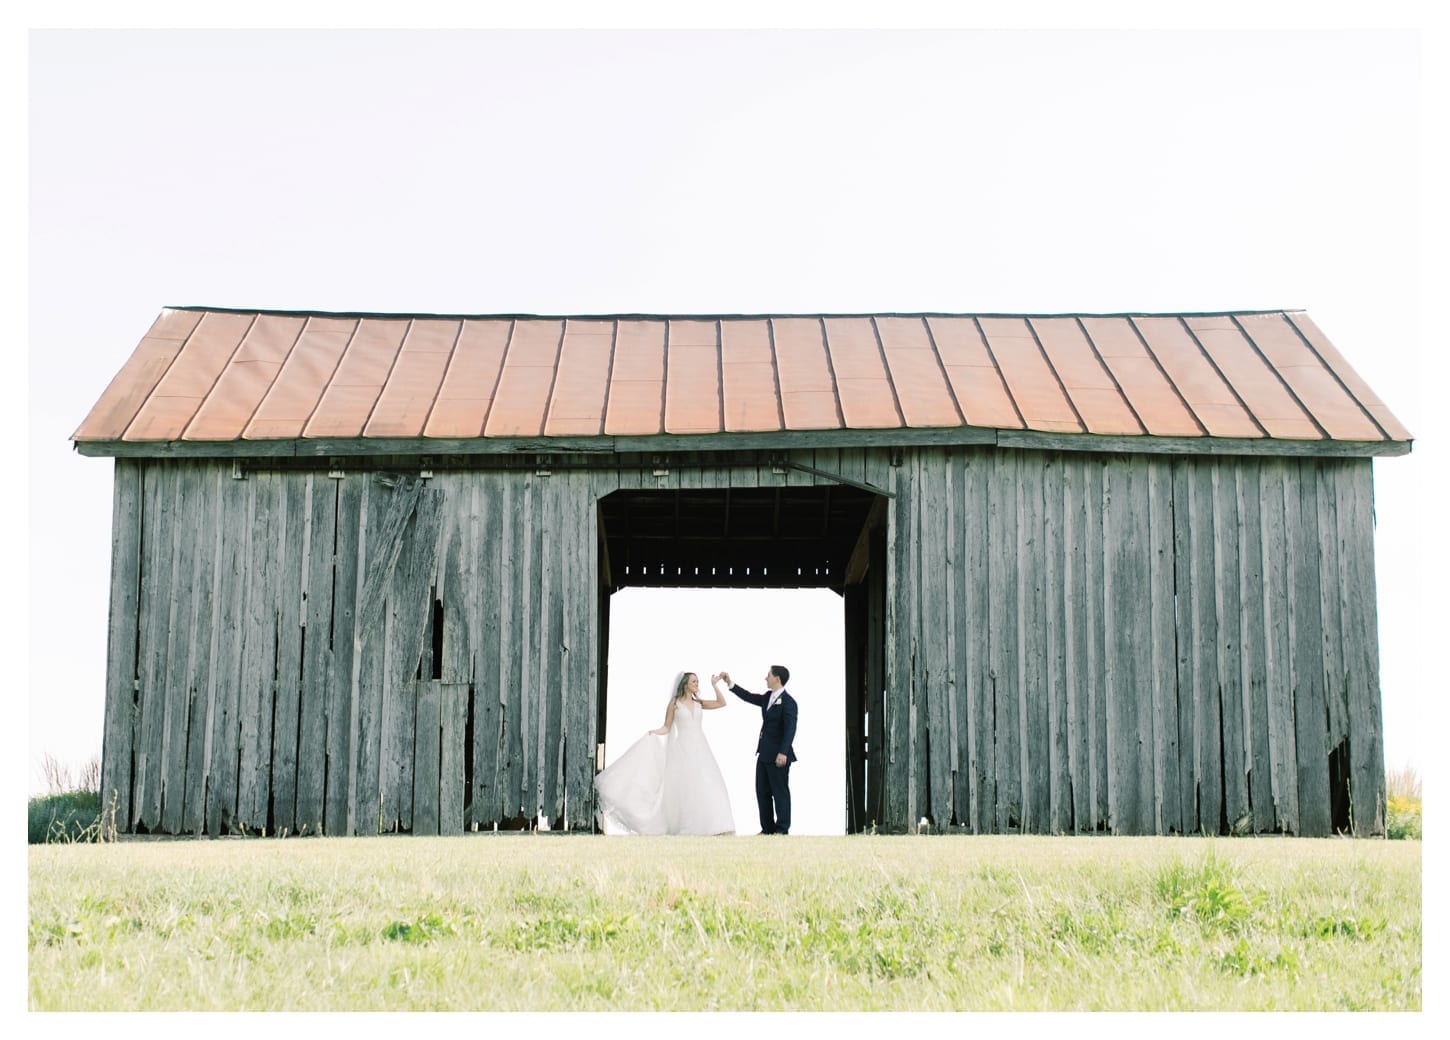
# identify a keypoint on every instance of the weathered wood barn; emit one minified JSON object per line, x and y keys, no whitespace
{"x":1101,"y":572}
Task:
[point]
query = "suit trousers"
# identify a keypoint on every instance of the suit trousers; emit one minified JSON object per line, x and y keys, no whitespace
{"x":772,"y":794}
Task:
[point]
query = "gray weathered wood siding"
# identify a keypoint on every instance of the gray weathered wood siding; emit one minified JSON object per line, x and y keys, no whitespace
{"x":1130,"y":644}
{"x":1069,"y":642}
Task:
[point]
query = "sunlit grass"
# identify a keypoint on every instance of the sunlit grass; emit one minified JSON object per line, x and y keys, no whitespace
{"x":556,"y":922}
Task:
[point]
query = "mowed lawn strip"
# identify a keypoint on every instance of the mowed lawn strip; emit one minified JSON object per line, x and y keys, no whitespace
{"x":554,"y":922}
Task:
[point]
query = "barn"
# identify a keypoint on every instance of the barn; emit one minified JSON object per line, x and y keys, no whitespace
{"x":1101,"y":573}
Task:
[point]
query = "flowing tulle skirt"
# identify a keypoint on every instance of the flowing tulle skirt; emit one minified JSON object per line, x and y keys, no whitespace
{"x":666,"y":785}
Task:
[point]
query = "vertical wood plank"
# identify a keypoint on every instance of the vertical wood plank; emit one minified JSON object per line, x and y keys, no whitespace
{"x":158,"y":574}
{"x":1097,"y":622}
{"x":208,"y":531}
{"x":1191,"y":764}
{"x":1032,"y":692}
{"x":319,"y":526}
{"x":1237,"y":811}
{"x":452,"y":753}
{"x":124,"y":615}
{"x":1283,"y":770}
{"x":1330,"y":608}
{"x":977,"y":618}
{"x":1003,"y":650}
{"x":1056,"y":569}
{"x":1254,"y":640}
{"x":1355,"y":505}
{"x":426,"y":753}
{"x":180,"y":633}
{"x":1168,"y":817}
{"x":938,"y":564}
{"x":1306,"y":664}
{"x":1129,"y":699}
{"x":1077,"y":674}
{"x":580,"y":684}
{"x":490,"y":588}
{"x":351,"y":556}
{"x":224,"y":683}
{"x":292,"y":511}
{"x":514,"y":637}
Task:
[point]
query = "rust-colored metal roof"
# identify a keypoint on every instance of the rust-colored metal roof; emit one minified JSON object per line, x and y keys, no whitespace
{"x":212,"y":375}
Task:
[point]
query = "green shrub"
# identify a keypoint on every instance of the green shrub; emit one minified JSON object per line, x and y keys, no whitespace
{"x":74,"y":816}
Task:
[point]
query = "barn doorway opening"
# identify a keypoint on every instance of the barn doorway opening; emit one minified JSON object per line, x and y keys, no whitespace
{"x":738,"y":579}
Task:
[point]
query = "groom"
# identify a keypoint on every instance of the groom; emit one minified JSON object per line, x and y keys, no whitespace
{"x":773,"y":754}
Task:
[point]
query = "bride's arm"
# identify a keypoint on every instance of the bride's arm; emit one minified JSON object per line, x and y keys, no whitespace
{"x":664,"y":730}
{"x":719,"y":701}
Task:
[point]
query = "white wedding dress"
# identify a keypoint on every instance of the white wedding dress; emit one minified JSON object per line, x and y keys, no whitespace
{"x":666,"y":785}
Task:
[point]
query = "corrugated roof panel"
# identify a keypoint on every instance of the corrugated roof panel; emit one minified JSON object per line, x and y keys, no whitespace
{"x":1151,"y":395}
{"x":243,"y":384}
{"x":1348,"y":376}
{"x":577,"y":406}
{"x":751,"y":402}
{"x":1211,"y":399}
{"x":1029,"y":380}
{"x":1091,"y":387}
{"x":637,"y":388}
{"x":1262,"y":392}
{"x":304,"y":376}
{"x":976,"y":381}
{"x":468,"y":386}
{"x":528,"y":375}
{"x":128,"y":390}
{"x":412,"y":387}
{"x":358,"y":381}
{"x":922,"y":388}
{"x":807,"y":391}
{"x":174,"y":401}
{"x":868,"y":401}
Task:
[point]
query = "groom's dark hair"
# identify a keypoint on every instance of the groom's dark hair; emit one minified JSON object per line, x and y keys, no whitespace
{"x":781,"y":672}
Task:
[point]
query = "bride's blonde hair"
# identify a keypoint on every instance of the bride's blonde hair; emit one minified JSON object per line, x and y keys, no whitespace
{"x":680,"y":681}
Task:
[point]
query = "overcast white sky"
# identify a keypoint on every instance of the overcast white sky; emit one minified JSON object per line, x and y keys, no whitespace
{"x":710,"y":171}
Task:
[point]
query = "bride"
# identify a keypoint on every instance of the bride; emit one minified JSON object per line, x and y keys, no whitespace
{"x":672,"y":786}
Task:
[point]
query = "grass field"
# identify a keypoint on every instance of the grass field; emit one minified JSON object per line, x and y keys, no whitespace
{"x":541,"y":922}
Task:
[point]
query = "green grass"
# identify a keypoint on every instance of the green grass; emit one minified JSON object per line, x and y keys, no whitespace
{"x":567,"y":922}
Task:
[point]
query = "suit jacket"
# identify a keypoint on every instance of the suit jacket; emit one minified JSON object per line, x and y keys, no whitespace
{"x":777,"y":725}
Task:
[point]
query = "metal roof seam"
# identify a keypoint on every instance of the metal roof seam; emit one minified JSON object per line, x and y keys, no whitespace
{"x":1011,"y":397}
{"x":554,"y":378}
{"x":886,"y":367}
{"x":262,"y":399}
{"x":942,"y":368}
{"x":1092,"y":345}
{"x":609,"y":376}
{"x":1047,"y":360}
{"x":372,"y":408}
{"x":1323,"y":433}
{"x":312,"y":413}
{"x":443,"y":378}
{"x":181,"y":436}
{"x":1334,"y":372}
{"x":503,"y":358}
{"x":1168,"y":379}
{"x":720,"y":375}
{"x":831,"y":370}
{"x":1183,"y":320}
{"x":775,"y":373}
{"x":665,"y":379}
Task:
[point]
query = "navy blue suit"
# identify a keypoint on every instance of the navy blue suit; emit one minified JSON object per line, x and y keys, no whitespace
{"x":772,"y":782}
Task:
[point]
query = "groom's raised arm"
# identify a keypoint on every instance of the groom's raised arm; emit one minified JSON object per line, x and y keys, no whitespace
{"x":758,"y":699}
